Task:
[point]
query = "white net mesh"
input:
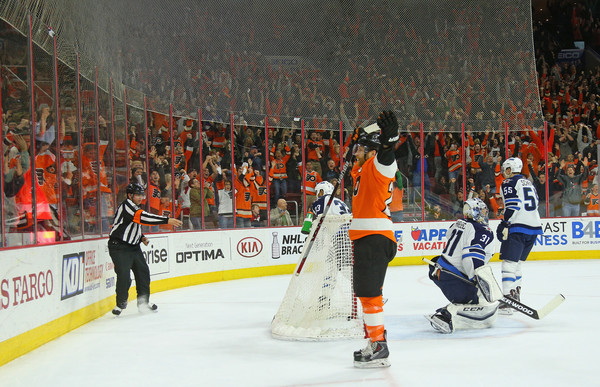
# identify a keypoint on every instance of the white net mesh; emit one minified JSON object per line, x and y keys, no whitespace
{"x":319,"y":303}
{"x":463,"y":60}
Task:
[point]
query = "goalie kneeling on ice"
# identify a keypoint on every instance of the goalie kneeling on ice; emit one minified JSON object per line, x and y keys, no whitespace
{"x":480,"y":312}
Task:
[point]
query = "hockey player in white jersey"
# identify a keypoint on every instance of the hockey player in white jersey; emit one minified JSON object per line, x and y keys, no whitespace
{"x":519,"y":228}
{"x":467,"y":252}
{"x":323,"y":190}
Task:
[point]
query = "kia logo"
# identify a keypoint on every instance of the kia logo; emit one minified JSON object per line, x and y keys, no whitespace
{"x":249,"y":247}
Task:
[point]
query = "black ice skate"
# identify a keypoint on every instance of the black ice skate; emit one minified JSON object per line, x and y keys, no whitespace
{"x":441,"y":321}
{"x":119,"y":308}
{"x":374,"y":355}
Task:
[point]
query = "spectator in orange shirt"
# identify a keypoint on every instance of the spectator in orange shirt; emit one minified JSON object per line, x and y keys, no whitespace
{"x":454,"y":158}
{"x":315,"y":150}
{"x":497,"y":206}
{"x":243,"y":197}
{"x":278,"y":174}
{"x":499,"y":177}
{"x":311,"y":179}
{"x":154,"y":188}
{"x":89,"y":184}
{"x":397,"y":206}
{"x":258,"y":188}
{"x":167,"y":210}
{"x":592,"y":201}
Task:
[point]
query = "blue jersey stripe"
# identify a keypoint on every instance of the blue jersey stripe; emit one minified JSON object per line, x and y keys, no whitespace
{"x":472,"y":255}
{"x":525,"y":229}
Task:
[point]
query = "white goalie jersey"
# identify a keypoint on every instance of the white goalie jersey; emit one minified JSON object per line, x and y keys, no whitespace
{"x":468,"y":246}
{"x":337,"y":207}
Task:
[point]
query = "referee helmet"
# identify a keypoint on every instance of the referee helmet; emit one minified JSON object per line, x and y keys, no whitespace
{"x":135,"y":189}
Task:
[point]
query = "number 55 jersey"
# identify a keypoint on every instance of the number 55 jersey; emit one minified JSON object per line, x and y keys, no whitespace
{"x":521,"y":206}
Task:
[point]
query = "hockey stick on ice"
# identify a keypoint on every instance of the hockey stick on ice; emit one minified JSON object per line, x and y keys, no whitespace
{"x":526,"y":310}
{"x":369,"y":129}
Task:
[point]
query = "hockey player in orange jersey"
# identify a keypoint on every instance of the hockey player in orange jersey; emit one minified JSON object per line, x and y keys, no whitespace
{"x":371,"y":231}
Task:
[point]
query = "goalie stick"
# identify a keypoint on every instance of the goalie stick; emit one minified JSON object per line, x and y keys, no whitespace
{"x":517,"y":305}
{"x":369,"y":129}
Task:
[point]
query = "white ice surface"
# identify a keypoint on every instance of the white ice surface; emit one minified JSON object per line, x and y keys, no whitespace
{"x":218,"y":335}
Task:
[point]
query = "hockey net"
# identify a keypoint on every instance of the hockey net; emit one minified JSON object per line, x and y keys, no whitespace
{"x":319,"y":303}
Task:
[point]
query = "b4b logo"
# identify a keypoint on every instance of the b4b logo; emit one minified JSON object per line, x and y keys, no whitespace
{"x":590,"y":229}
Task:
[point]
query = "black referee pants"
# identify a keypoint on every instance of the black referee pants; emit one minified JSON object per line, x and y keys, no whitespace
{"x":128,"y":258}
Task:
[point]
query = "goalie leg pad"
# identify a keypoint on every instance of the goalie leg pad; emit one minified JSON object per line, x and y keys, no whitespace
{"x":477,"y":316}
{"x":488,"y":288}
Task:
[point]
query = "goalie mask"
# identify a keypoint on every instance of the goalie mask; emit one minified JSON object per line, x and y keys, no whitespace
{"x":326,"y":186}
{"x":514,"y":163}
{"x":477,"y":210}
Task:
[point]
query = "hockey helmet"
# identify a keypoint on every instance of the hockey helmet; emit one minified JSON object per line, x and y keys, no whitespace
{"x":477,"y":210}
{"x":135,"y":189}
{"x":370,"y":141}
{"x":326,"y":186}
{"x":514,"y":163}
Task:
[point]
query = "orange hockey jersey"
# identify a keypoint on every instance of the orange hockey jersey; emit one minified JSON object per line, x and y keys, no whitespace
{"x":373,"y":183}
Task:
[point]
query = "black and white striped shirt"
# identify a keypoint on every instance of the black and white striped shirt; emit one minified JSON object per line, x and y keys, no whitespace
{"x":127,"y":226}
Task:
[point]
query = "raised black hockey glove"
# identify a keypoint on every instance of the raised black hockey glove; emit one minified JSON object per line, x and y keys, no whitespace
{"x":389,"y":128}
{"x":502,"y":231}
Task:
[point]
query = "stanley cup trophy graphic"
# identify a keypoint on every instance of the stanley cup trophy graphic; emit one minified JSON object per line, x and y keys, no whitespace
{"x":275,"y":248}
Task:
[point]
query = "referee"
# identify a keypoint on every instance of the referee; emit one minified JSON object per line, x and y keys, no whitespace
{"x":125,"y":252}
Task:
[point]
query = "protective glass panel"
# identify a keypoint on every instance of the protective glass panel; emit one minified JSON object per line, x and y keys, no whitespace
{"x":122,"y":173}
{"x":70,"y":168}
{"x":106,"y":155}
{"x":89,"y":157}
{"x":159,"y":164}
{"x":18,"y":219}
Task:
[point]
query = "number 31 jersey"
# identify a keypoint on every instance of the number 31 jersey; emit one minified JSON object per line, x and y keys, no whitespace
{"x":468,"y":240}
{"x":521,"y":205}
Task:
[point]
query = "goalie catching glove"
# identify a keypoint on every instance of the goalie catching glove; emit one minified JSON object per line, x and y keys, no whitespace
{"x":388,"y":123}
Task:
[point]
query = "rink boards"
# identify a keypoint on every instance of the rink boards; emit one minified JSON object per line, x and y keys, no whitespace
{"x":46,"y":291}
